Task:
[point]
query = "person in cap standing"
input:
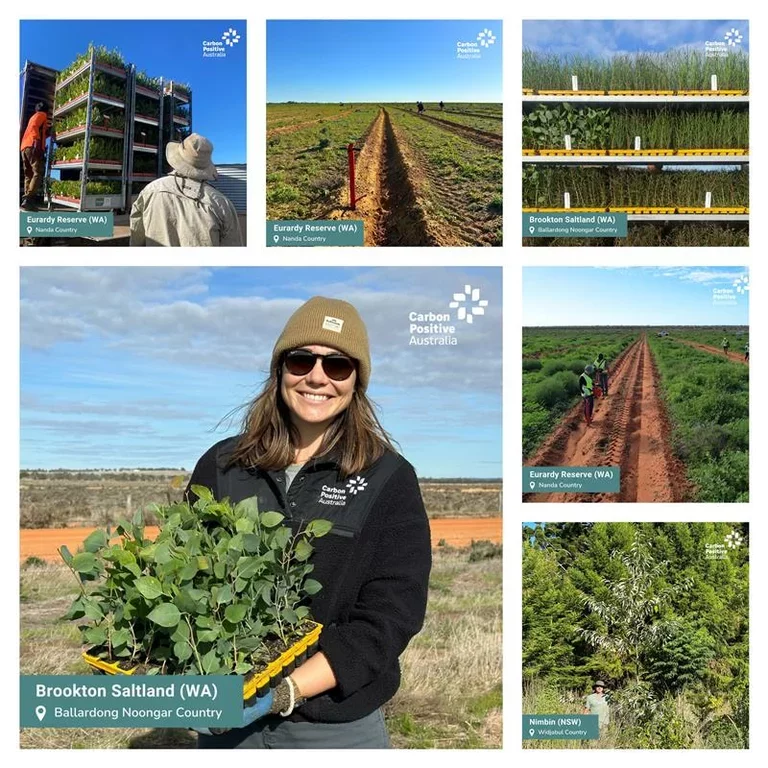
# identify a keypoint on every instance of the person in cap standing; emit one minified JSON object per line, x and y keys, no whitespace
{"x":182,"y":208}
{"x":311,"y":446}
{"x":33,"y":155}
{"x":597,"y":704}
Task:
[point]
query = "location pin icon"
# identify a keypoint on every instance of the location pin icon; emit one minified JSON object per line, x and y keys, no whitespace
{"x":532,"y":484}
{"x":29,"y":230}
{"x":40,"y":712}
{"x":531,"y":229}
{"x":531,"y":731}
{"x":276,"y":237}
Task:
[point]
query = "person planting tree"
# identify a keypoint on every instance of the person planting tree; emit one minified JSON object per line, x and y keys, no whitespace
{"x":312,"y":447}
{"x":586,"y":387}
{"x":601,"y":368}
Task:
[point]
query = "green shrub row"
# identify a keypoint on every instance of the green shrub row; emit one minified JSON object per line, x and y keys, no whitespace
{"x":72,"y":188}
{"x":708,"y":401}
{"x":101,"y":148}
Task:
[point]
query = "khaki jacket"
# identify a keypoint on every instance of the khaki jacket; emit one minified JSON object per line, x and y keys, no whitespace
{"x":176,"y":211}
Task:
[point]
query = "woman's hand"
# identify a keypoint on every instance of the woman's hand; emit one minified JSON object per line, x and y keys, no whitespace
{"x":260,"y":708}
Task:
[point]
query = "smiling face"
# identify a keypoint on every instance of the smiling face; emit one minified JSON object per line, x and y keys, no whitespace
{"x":315,"y":398}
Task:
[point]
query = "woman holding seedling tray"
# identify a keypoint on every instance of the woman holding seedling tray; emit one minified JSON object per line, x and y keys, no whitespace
{"x":312,"y":447}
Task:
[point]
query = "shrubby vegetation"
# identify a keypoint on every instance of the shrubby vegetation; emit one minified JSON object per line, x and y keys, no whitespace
{"x":708,"y":401}
{"x":643,"y":607}
{"x":553,"y":360}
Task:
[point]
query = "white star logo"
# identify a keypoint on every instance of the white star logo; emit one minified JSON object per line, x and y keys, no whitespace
{"x":469,"y":304}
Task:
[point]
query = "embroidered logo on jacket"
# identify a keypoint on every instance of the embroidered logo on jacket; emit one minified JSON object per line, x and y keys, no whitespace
{"x":338,"y":497}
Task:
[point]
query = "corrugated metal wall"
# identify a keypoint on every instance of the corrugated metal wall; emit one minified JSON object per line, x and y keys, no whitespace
{"x":232,"y":182}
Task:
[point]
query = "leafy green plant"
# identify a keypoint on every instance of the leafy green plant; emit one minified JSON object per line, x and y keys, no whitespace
{"x":103,"y":55}
{"x":147,"y":106}
{"x":101,"y":148}
{"x":77,"y":117}
{"x":142,"y":78}
{"x":72,"y":188}
{"x":218,"y":584}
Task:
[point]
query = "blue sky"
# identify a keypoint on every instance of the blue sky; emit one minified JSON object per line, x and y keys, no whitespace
{"x":130,"y":367}
{"x":168,"y":49}
{"x":562,"y":296}
{"x":359,"y":61}
{"x":608,"y":38}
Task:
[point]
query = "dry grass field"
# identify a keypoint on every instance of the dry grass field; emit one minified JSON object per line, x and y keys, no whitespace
{"x":450,"y":697}
{"x":73,"y":499}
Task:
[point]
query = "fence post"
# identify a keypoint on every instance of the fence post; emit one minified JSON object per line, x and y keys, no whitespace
{"x":351,"y":158}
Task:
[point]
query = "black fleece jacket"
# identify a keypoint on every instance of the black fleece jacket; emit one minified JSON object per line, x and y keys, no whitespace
{"x":374,"y":565}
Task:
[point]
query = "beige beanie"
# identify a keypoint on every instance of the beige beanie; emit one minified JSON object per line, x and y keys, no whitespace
{"x":331,"y":323}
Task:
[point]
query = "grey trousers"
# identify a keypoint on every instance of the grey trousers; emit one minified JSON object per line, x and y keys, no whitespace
{"x":273,"y":732}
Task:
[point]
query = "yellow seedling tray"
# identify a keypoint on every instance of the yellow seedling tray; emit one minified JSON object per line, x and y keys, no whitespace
{"x":572,"y":152}
{"x":527,"y":91}
{"x":529,"y":152}
{"x":706,"y":211}
{"x":719,"y":152}
{"x":641,"y":93}
{"x":570,"y":93}
{"x":640,"y":209}
{"x":255,"y":685}
{"x":564,"y":210}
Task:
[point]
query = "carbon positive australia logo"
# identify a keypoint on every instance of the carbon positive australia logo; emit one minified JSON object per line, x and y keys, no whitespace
{"x":731,"y":542}
{"x":217,"y":49}
{"x":716,"y":49}
{"x":441,"y":328}
{"x":473,"y":49}
{"x":730,"y":296}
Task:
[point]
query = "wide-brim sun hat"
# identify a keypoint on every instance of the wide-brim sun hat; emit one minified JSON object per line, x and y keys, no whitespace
{"x":192,"y":158}
{"x":599,"y":684}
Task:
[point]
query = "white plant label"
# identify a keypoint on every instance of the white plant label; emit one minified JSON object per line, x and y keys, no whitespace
{"x":567,"y":199}
{"x":637,"y":143}
{"x":714,"y":82}
{"x":567,"y":142}
{"x":708,"y":200}
{"x":574,"y":82}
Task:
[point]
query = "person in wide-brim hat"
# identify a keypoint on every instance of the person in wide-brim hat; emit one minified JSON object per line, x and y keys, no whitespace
{"x":192,"y":158}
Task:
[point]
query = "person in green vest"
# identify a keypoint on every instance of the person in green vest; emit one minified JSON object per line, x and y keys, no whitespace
{"x":597,"y":704}
{"x":746,"y":352}
{"x":586,"y":387}
{"x":725,"y":345}
{"x":601,"y":368}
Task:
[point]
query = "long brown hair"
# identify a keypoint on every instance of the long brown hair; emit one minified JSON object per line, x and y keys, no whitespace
{"x":269,"y":439}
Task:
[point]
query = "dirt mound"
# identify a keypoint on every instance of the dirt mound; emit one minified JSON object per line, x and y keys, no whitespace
{"x":299,"y":126}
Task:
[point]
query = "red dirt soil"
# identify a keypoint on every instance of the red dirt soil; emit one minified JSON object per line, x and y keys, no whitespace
{"x":457,"y":532}
{"x":629,"y":429}
{"x":734,"y":357}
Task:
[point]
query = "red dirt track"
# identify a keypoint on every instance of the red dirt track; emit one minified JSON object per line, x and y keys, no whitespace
{"x":734,"y":357}
{"x":457,"y":532}
{"x":629,"y":429}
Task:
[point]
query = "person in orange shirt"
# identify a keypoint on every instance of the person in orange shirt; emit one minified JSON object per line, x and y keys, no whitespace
{"x":33,"y":154}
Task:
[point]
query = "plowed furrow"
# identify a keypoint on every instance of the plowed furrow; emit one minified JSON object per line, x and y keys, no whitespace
{"x":629,"y":429}
{"x":484,"y":138}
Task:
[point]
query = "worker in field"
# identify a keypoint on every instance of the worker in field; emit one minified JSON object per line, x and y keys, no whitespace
{"x":442,"y":106}
{"x":746,"y":352}
{"x":311,"y":447}
{"x":586,"y":387}
{"x":182,"y":208}
{"x":597,"y":704}
{"x":601,"y":369}
{"x":420,"y":107}
{"x":33,"y":154}
{"x":725,"y":345}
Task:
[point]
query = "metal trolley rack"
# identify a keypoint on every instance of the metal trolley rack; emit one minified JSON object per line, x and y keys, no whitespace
{"x":145,"y":140}
{"x":85,"y":169}
{"x":177,"y":114}
{"x":711,"y":100}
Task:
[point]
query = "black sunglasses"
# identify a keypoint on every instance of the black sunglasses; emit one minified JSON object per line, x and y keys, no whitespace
{"x":300,"y":362}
